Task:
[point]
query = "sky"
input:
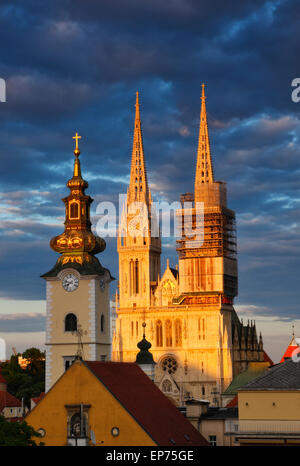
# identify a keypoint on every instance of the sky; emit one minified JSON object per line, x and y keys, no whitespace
{"x":76,"y":66}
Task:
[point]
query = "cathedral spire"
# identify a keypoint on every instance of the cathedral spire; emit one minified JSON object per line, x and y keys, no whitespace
{"x":204,"y":170}
{"x":138,"y":187}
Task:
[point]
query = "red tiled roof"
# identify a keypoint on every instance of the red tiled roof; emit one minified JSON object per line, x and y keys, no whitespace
{"x":290,"y":349}
{"x":233,"y":403}
{"x":2,"y":379}
{"x":38,"y":398}
{"x":146,"y":403}
{"x":268,"y":359}
{"x":8,"y":401}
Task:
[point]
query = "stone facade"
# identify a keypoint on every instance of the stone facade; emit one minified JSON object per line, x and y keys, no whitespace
{"x":198,"y":341}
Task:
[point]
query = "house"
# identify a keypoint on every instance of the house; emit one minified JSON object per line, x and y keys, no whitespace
{"x":110,"y":404}
{"x":269,"y":409}
{"x":10,"y":406}
{"x":254,"y":370}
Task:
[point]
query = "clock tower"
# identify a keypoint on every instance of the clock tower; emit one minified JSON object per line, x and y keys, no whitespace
{"x":77,"y":287}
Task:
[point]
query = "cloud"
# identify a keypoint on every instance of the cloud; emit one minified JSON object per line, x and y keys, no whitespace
{"x":29,"y":322}
{"x":77,"y":67}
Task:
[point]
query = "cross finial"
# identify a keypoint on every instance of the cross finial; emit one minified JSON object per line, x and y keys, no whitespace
{"x":76,"y":137}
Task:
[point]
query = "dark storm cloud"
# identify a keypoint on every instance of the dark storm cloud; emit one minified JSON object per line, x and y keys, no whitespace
{"x":75,"y":66}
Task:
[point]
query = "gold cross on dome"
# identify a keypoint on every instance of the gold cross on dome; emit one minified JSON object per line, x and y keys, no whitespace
{"x":76,"y":137}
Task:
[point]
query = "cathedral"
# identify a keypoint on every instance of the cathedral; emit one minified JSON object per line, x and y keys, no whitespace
{"x":199,"y":344}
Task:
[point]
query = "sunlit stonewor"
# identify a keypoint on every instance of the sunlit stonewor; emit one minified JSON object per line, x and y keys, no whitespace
{"x":198,"y":342}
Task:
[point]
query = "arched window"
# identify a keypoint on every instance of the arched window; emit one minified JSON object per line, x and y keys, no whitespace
{"x":178,"y":333}
{"x":166,"y":386}
{"x":70,"y":323}
{"x":168,"y":327}
{"x":136,"y":277}
{"x":74,"y":210}
{"x":102,"y":323}
{"x":159,"y":335}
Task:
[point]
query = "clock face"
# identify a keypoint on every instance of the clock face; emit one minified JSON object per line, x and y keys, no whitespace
{"x":70,"y":282}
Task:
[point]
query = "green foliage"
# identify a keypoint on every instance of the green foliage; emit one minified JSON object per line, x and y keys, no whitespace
{"x":16,"y":434}
{"x":29,"y":382}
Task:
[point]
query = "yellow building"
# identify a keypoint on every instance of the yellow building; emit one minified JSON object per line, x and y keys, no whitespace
{"x":109,"y":404}
{"x":77,"y":314}
{"x":269,"y":407}
{"x":198,"y":341}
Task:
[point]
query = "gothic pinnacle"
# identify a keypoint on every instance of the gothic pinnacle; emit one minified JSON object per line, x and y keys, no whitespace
{"x":204,"y":170}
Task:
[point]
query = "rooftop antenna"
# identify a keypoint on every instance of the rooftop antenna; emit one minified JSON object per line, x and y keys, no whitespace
{"x":79,"y":333}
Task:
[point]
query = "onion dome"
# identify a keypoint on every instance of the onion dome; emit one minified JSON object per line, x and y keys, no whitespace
{"x":77,"y":244}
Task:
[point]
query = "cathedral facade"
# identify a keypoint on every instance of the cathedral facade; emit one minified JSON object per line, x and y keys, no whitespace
{"x":198,"y":342}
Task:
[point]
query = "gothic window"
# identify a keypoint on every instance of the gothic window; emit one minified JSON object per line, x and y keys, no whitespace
{"x":168,"y":327}
{"x":166,"y":386}
{"x":201,"y":329}
{"x":136,"y":277}
{"x":169,"y":365}
{"x":73,"y":210}
{"x":141,"y":188}
{"x":136,"y":180}
{"x":203,"y":390}
{"x":137,"y":328}
{"x":70,"y":323}
{"x":132,"y":329}
{"x":159,"y":333}
{"x":102,"y":323}
{"x":178,"y":333}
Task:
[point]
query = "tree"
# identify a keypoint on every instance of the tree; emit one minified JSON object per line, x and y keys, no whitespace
{"x":29,"y":382}
{"x":17,"y":434}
